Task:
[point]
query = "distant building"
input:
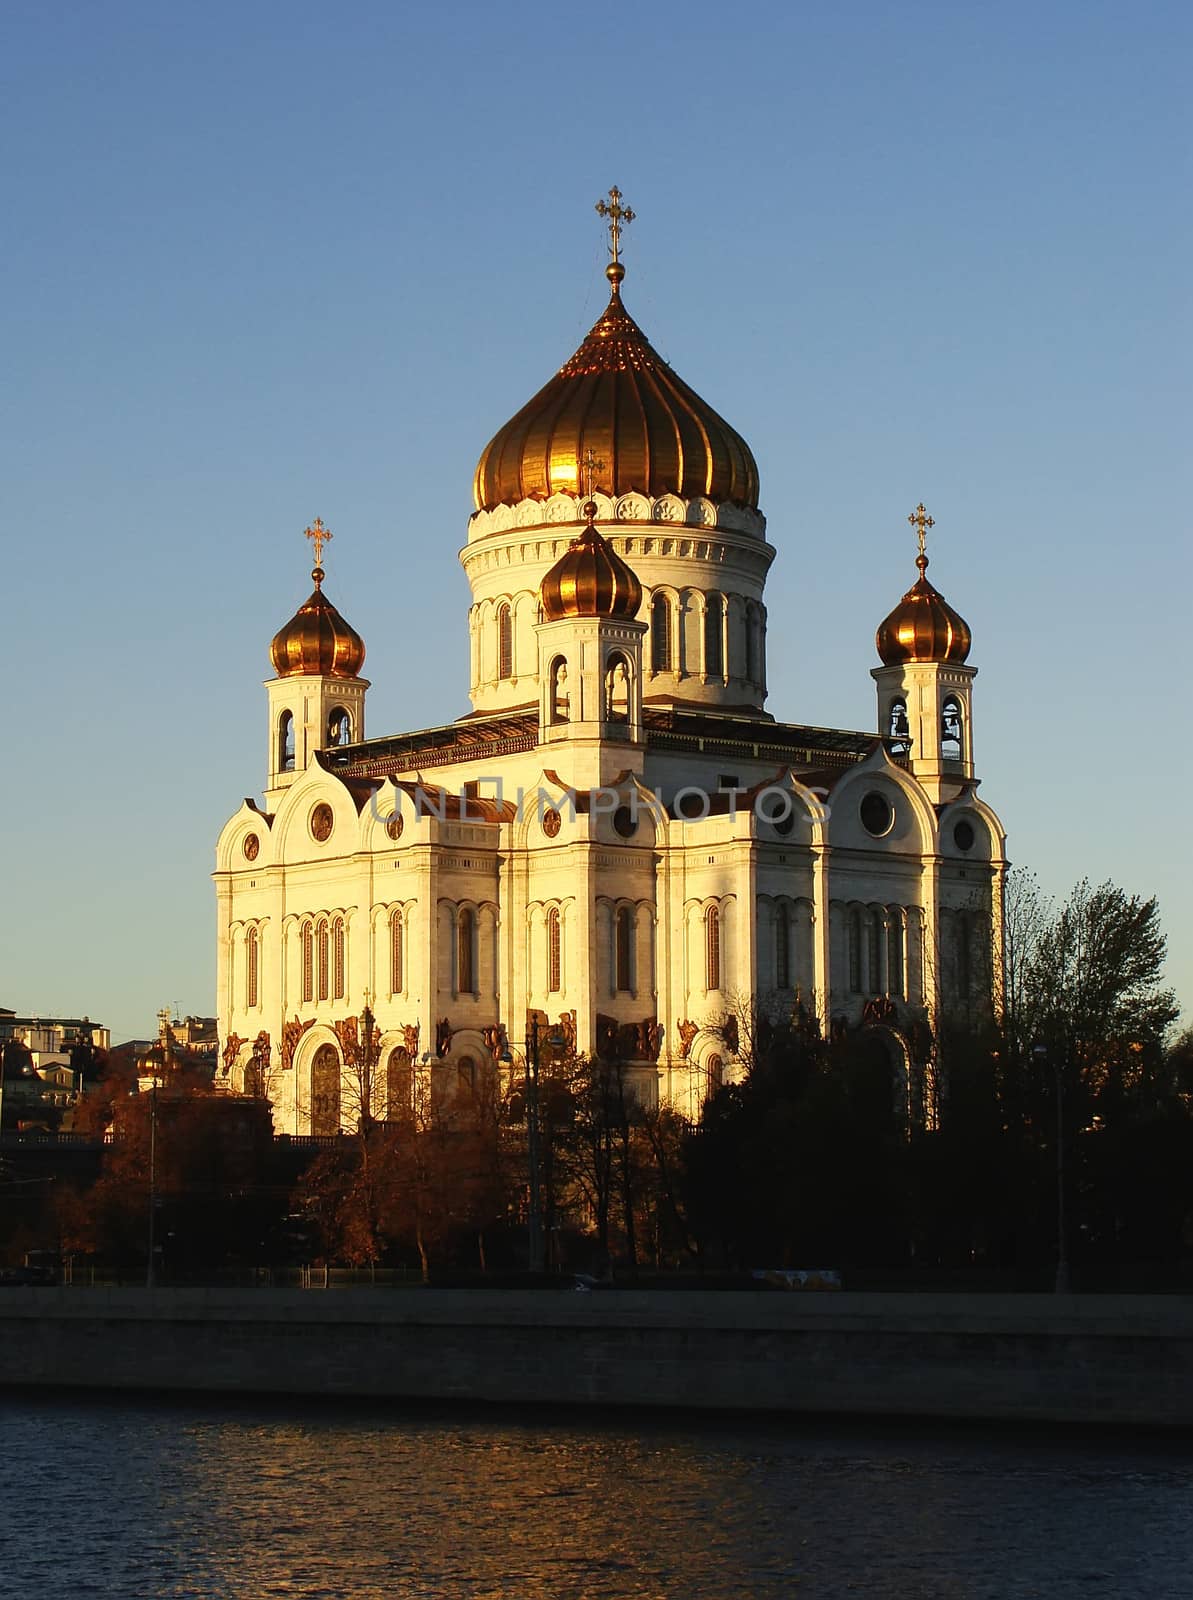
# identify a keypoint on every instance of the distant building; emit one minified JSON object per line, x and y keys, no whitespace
{"x":43,"y":1061}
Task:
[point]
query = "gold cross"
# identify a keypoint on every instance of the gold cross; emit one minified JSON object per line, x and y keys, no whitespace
{"x":320,"y":535}
{"x":618,"y":215}
{"x":921,"y":522}
{"x":591,"y":467}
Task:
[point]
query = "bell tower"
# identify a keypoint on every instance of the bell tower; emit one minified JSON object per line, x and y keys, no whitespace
{"x":590,"y":660}
{"x":317,"y":699}
{"x":925,"y":688}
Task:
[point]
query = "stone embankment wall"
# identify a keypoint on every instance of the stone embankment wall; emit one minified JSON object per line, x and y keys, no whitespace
{"x":1096,"y":1358}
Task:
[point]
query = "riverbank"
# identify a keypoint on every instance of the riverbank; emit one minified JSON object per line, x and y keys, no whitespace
{"x":1088,"y":1358}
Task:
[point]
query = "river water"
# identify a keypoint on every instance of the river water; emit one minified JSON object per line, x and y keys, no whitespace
{"x":108,"y":1498}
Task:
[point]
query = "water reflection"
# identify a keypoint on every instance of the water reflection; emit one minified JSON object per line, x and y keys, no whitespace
{"x":164,"y":1501}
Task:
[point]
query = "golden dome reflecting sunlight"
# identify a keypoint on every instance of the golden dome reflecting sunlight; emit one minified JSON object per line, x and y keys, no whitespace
{"x":619,"y":399}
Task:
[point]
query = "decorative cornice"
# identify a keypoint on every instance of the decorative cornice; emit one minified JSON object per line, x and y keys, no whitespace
{"x":667,"y":510}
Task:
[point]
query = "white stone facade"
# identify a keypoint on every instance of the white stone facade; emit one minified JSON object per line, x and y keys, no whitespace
{"x":635,"y":869}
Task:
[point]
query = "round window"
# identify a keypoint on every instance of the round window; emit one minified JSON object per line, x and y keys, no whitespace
{"x":876,"y":814}
{"x":322,"y":822}
{"x":394,"y":825}
{"x":963,"y":835}
{"x":625,"y":822}
{"x":552,"y":822}
{"x":252,"y":846}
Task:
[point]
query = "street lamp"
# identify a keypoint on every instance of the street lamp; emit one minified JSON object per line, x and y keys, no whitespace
{"x":531,"y":1061}
{"x":1043,"y":1057}
{"x":369,"y":1055}
{"x":149,"y":1263}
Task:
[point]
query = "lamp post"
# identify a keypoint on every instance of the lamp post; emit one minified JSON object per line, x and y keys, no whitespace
{"x":1043,"y":1057}
{"x":149,"y":1263}
{"x":368,"y":1062}
{"x":535,"y":1257}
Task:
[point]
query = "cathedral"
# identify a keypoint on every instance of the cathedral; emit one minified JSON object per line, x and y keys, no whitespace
{"x":619,"y":844}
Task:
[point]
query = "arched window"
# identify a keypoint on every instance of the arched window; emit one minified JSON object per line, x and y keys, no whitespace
{"x":617,"y":689}
{"x":553,"y":951}
{"x":337,"y":950}
{"x":399,"y":1085}
{"x":714,"y":637}
{"x":325,"y":1091}
{"x":898,"y":728}
{"x":964,"y":957}
{"x":321,"y":962}
{"x":877,"y":942}
{"x":712,"y":948}
{"x":308,"y":963}
{"x":660,"y":634}
{"x":339,"y":727}
{"x":505,"y":642}
{"x":952,"y":741}
{"x":560,"y":702}
{"x":251,"y":951}
{"x":286,"y":742}
{"x":466,"y":952}
{"x":753,"y":644}
{"x":396,"y":954}
{"x":623,"y":950}
{"x":782,"y":949}
{"x":896,"y":981}
{"x":716,"y":1075}
{"x":855,"y":952}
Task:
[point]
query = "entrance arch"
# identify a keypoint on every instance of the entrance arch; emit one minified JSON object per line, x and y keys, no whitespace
{"x":325,"y":1091}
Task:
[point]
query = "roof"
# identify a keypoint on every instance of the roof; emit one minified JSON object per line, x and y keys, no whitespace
{"x":668,"y":728}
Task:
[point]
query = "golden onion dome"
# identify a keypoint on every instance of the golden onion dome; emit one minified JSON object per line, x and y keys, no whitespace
{"x":620,"y":400}
{"x":317,"y":640}
{"x":590,"y":579}
{"x":923,"y":626}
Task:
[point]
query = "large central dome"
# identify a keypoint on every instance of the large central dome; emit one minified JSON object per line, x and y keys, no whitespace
{"x":648,"y":431}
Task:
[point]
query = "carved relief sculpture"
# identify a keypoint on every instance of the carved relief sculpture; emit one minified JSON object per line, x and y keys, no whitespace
{"x":494,"y":1036}
{"x":410,"y":1038}
{"x":292,"y":1032}
{"x":881,"y":1009}
{"x":443,"y":1037}
{"x":567,"y":1026}
{"x":231,"y":1050}
{"x":348,"y":1035}
{"x":687,"y":1033}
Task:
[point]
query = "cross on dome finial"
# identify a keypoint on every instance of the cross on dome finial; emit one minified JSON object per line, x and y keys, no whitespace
{"x":921,"y":522}
{"x":319,"y":536}
{"x":619,"y":217}
{"x":591,"y":467}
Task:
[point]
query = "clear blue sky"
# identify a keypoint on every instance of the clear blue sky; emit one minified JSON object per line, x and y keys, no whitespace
{"x":269,"y":261}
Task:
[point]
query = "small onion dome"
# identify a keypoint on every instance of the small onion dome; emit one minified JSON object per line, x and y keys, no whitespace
{"x":590,"y":579}
{"x":618,"y":398}
{"x":923,"y":626}
{"x":317,"y":640}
